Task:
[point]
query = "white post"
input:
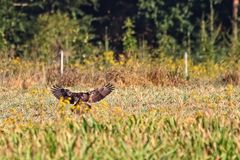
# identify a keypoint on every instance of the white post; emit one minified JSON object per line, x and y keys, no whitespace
{"x":186,"y":65}
{"x":61,"y":65}
{"x":44,"y":74}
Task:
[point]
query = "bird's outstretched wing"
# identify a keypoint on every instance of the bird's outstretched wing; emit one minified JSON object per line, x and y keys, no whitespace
{"x":100,"y":93}
{"x":59,"y":92}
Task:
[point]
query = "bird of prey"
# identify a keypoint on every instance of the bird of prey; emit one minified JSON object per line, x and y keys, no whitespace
{"x":86,"y":97}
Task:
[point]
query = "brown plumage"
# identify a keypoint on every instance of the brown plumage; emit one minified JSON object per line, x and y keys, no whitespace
{"x":86,"y":97}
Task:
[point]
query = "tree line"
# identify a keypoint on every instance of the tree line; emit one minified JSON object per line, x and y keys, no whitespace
{"x":36,"y":29}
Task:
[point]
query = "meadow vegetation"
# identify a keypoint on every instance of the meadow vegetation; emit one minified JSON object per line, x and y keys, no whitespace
{"x":155,"y":112}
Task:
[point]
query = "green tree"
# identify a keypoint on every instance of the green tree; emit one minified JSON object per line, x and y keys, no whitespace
{"x":209,"y":43}
{"x":14,"y":26}
{"x":58,"y":29}
{"x":170,"y":18}
{"x":129,"y":41}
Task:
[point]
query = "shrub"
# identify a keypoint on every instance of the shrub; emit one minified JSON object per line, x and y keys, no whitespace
{"x":129,"y":41}
{"x":57,"y":30}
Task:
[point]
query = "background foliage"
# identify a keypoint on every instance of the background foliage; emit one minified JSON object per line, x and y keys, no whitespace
{"x":33,"y":29}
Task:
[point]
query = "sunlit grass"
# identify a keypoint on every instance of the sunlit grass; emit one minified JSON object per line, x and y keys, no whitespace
{"x":153,"y":113}
{"x":148,"y":122}
{"x":167,"y":71}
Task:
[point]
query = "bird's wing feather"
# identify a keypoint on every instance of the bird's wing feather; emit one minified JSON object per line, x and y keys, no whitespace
{"x":59,"y":92}
{"x":100,"y":93}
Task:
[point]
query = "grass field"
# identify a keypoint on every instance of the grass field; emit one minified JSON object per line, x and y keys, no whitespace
{"x":134,"y":122}
{"x":174,"y":65}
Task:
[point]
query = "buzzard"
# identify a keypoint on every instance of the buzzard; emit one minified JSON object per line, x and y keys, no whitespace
{"x":86,"y":97}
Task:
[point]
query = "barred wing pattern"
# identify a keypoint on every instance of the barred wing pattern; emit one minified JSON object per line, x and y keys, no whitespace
{"x":98,"y":94}
{"x":90,"y":97}
{"x":59,"y":92}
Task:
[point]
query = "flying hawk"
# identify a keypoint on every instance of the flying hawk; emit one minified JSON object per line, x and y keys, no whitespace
{"x":86,"y":97}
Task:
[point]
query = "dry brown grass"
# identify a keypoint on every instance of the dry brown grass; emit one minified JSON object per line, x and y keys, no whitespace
{"x":136,"y":121}
{"x":22,"y":74}
{"x":29,"y":76}
{"x":232,"y":78}
{"x":120,"y":76}
{"x":161,"y":77}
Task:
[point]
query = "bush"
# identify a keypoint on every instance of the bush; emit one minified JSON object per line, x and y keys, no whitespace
{"x":55,"y":31}
{"x":129,"y":41}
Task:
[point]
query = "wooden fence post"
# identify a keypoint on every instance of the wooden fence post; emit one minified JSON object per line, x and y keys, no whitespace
{"x":61,"y":62}
{"x":106,"y":39}
{"x":186,"y":65}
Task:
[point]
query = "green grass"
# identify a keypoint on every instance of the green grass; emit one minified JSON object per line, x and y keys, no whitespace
{"x":187,"y":122}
